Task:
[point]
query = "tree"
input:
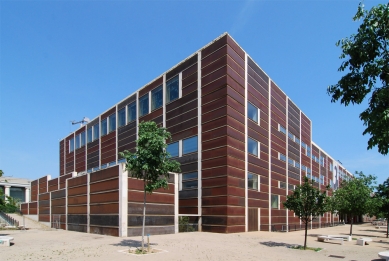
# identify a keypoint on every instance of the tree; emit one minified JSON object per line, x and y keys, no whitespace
{"x":306,"y":201}
{"x":367,"y":60}
{"x":150,"y":162}
{"x":382,"y":195}
{"x":355,"y":197}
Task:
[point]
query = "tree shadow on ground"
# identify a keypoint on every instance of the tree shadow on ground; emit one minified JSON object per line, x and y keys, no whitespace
{"x":277,"y":244}
{"x":2,"y":235}
{"x":314,"y":235}
{"x":372,"y":230}
{"x":132,"y":243}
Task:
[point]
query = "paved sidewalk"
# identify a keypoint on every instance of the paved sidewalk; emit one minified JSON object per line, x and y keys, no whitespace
{"x":29,"y":223}
{"x":38,"y":244}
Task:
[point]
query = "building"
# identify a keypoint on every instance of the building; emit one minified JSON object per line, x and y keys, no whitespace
{"x":16,"y":188}
{"x":242,"y":143}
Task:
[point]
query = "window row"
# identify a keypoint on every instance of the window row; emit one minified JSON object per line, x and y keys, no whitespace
{"x":283,"y":185}
{"x":290,"y":161}
{"x":188,"y":181}
{"x":293,"y":138}
{"x":316,"y":159}
{"x":322,"y":160}
{"x":182,"y":147}
{"x":305,"y":169}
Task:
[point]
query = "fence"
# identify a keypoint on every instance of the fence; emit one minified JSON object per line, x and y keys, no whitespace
{"x":9,"y":221}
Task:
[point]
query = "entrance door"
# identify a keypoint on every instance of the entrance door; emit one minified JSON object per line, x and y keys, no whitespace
{"x":253,"y":219}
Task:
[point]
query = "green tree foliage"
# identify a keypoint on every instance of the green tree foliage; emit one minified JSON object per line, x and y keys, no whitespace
{"x":306,"y":201}
{"x":367,"y":60}
{"x":355,"y":197}
{"x":150,"y":162}
{"x":7,"y":203}
{"x":382,"y":195}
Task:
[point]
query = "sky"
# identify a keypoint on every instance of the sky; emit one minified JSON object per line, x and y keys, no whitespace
{"x":65,"y":60}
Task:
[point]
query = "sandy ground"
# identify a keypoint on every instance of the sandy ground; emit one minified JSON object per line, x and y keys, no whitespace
{"x":40,"y":243}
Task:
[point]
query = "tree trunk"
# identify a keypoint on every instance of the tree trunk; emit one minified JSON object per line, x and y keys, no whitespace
{"x":351,"y":225}
{"x":144,"y":219}
{"x":306,"y":231}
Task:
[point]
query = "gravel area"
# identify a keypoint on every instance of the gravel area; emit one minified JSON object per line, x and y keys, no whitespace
{"x":50,"y":244}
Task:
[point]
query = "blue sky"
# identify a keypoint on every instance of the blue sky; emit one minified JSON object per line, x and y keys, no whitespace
{"x":63,"y":60}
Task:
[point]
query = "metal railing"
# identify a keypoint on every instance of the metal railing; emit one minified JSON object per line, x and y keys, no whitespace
{"x":297,"y":227}
{"x":8,"y":220}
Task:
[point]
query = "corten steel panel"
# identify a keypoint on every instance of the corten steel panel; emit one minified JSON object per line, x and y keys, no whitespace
{"x":103,"y":174}
{"x":127,"y":101}
{"x":44,"y":196}
{"x":111,"y":208}
{"x":257,"y":82}
{"x":34,"y":190}
{"x":33,"y":211}
{"x":214,"y":46}
{"x":151,"y":86}
{"x":61,"y":158}
{"x":264,"y":172}
{"x":62,"y":180}
{"x":182,"y":126}
{"x":151,"y":209}
{"x":190,"y":70}
{"x":184,"y":134}
{"x":108,"y":113}
{"x":58,"y":202}
{"x":112,"y":184}
{"x":222,"y":51}
{"x":130,"y":147}
{"x":108,"y":231}
{"x":231,"y":43}
{"x":78,"y":228}
{"x":81,"y":209}
{"x":152,"y":115}
{"x":82,"y":190}
{"x":257,"y":70}
{"x":42,"y":185}
{"x":189,"y":80}
{"x":222,"y":141}
{"x":188,"y":210}
{"x":53,"y":184}
{"x":182,"y":109}
{"x":215,"y":65}
{"x":124,"y":140}
{"x":190,"y":88}
{"x":129,"y":127}
{"x":185,"y":116}
{"x":179,"y":102}
{"x":77,"y":200}
{"x":134,"y":221}
{"x":215,"y":85}
{"x":235,"y":61}
{"x":182,"y":66}
{"x":24,"y":208}
{"x":215,"y":75}
{"x":112,"y":196}
{"x":135,"y":184}
{"x":215,"y":191}
{"x":44,"y":218}
{"x":137,"y":231}
{"x":58,"y":210}
{"x":163,"y":198}
{"x":77,"y":181}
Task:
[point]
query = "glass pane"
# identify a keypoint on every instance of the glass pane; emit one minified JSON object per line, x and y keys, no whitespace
{"x":144,"y":105}
{"x":89,"y":134}
{"x":189,"y":145}
{"x":131,"y":112}
{"x":112,"y":122}
{"x":77,"y":141}
{"x":121,"y":117}
{"x":252,"y":112}
{"x":82,"y":138}
{"x":192,"y":175}
{"x":190,"y":184}
{"x":17,"y":193}
{"x":104,"y":129}
{"x":274,"y":201}
{"x":252,"y":181}
{"x":71,"y":145}
{"x":253,"y":146}
{"x":156,"y":98}
{"x":173,"y":149}
{"x":96,"y":132}
{"x":172,"y":89}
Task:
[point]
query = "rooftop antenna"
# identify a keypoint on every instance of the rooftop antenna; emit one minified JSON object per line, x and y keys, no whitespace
{"x":340,"y":162}
{"x":82,"y":122}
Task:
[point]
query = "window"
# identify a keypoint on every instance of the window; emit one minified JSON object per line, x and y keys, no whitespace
{"x":71,"y":144}
{"x":172,"y":89}
{"x":82,"y":137}
{"x":282,"y":157}
{"x":96,"y":132}
{"x":156,"y":98}
{"x":172,"y":148}
{"x":189,"y":180}
{"x":303,"y":168}
{"x":189,"y":145}
{"x":252,"y":181}
{"x":290,"y":135}
{"x":104,"y":129}
{"x":281,"y":184}
{"x":291,"y":187}
{"x":308,"y":170}
{"x":303,"y":145}
{"x":290,"y":161}
{"x":252,"y":112}
{"x":121,"y":117}
{"x":78,"y":141}
{"x":308,"y":152}
{"x":281,"y":129}
{"x":89,"y":133}
{"x":131,"y":112}
{"x":112,"y":122}
{"x":296,"y":164}
{"x":297,"y":140}
{"x":144,"y":105}
{"x":331,"y":167}
{"x":322,"y":161}
{"x":252,"y":146}
{"x":274,"y":201}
